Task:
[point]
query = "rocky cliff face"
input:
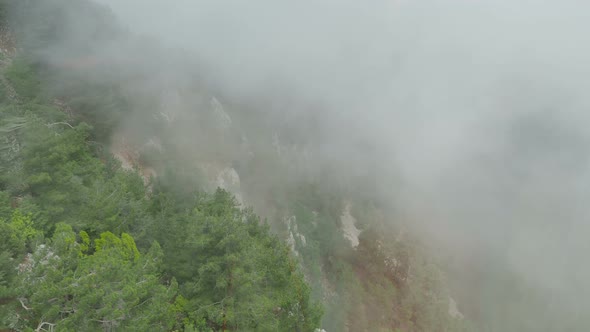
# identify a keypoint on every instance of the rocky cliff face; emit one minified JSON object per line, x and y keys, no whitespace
{"x":349,"y":226}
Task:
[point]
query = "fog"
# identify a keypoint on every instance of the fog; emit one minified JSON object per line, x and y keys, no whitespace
{"x":474,"y":114}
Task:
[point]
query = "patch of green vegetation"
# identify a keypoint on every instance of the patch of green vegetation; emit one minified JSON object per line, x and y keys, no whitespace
{"x":116,"y":254}
{"x":3,"y":95}
{"x":23,"y":79}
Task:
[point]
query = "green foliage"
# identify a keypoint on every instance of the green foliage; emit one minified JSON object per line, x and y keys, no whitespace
{"x":84,"y":242}
{"x":50,"y":165}
{"x":232,"y":273}
{"x":23,"y":79}
{"x":125,"y":245}
{"x":10,"y":126}
{"x":17,"y":233}
{"x":100,"y":104}
{"x":3,"y":92}
{"x":114,"y":287}
{"x":3,"y":11}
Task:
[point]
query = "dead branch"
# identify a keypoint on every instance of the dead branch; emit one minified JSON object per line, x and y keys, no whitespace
{"x":40,"y":327}
{"x":22,"y":303}
{"x":63,"y":123}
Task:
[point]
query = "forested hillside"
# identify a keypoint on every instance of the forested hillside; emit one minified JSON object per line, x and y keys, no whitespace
{"x":110,"y":220}
{"x":86,"y":244}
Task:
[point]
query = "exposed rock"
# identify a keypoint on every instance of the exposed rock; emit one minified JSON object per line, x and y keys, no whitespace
{"x":147,"y":173}
{"x":7,"y":43}
{"x":453,"y":310}
{"x":303,"y":240}
{"x":123,"y":152}
{"x":154,"y":144}
{"x":221,"y":117}
{"x":291,"y":243}
{"x":129,"y":156}
{"x":291,"y":223}
{"x":348,"y":226}
{"x":228,"y":179}
{"x":43,"y":255}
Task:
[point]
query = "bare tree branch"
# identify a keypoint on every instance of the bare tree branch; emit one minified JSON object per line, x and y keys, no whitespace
{"x":22,"y":303}
{"x":40,"y":327}
{"x":63,"y":123}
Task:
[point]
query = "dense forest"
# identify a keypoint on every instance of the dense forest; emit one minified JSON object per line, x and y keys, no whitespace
{"x":89,"y":243}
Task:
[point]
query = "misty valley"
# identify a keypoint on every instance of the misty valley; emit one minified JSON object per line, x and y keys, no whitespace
{"x":227,"y":166}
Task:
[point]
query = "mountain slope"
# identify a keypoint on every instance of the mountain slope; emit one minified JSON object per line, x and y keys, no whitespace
{"x":210,"y":262}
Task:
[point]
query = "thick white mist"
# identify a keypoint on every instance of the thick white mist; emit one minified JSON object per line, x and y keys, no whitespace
{"x":480,"y":107}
